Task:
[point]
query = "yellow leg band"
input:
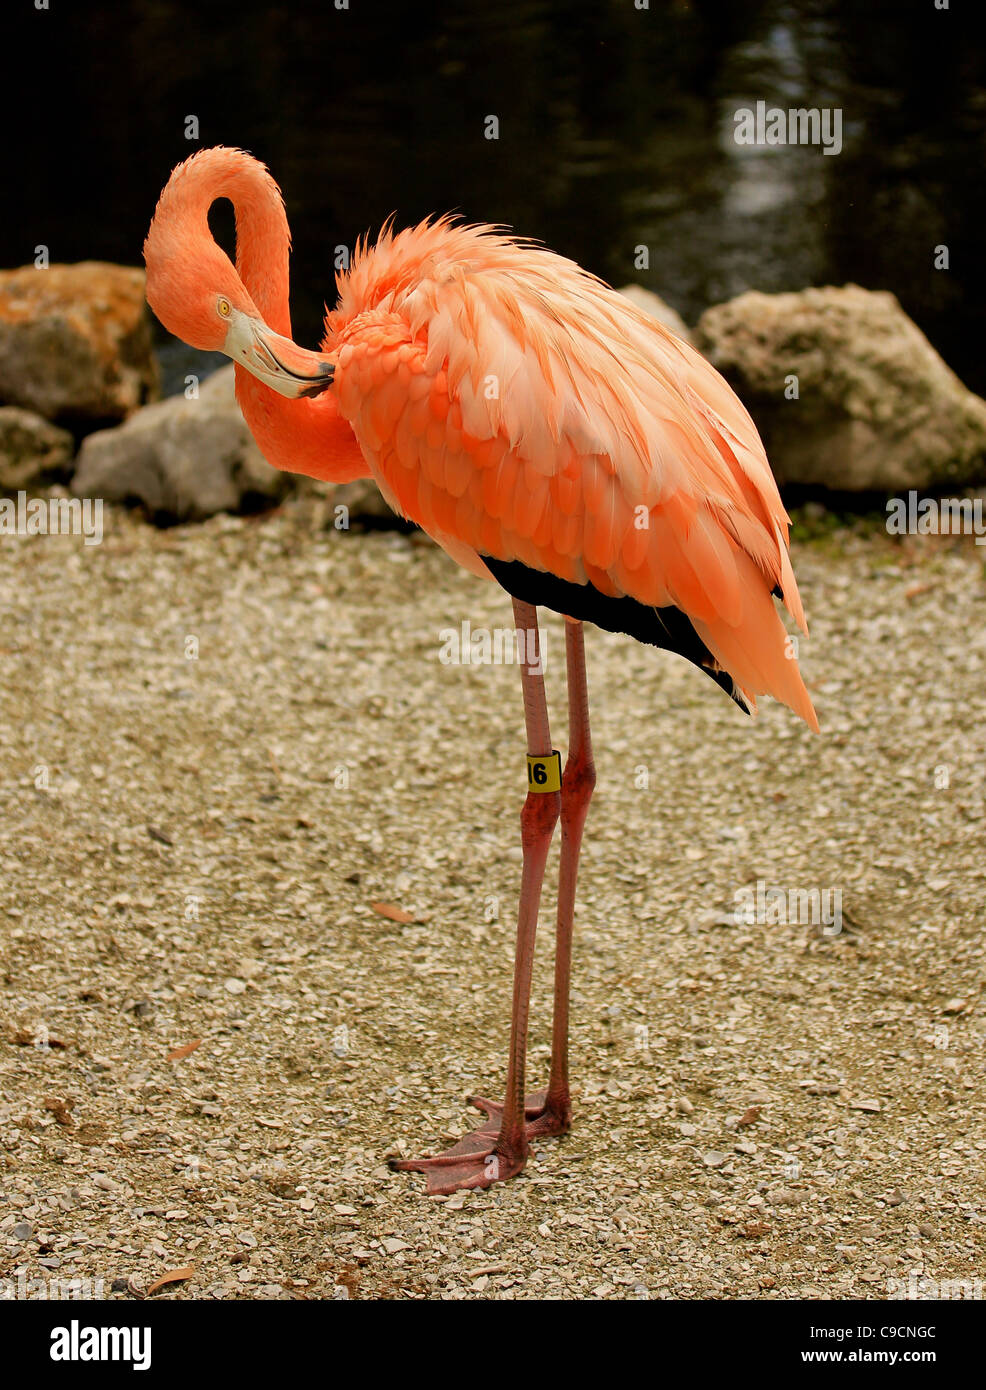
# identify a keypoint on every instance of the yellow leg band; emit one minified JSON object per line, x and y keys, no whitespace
{"x":544,"y":773}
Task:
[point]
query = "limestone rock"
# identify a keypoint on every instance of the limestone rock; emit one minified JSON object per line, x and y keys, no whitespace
{"x":364,"y":503}
{"x":182,"y":459}
{"x":75,"y":341}
{"x":876,"y":408}
{"x":30,"y":448}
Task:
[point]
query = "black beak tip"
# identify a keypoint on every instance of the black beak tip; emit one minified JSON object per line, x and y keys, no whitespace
{"x":322,"y":382}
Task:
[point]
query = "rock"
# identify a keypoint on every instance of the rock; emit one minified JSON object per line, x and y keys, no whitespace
{"x":75,"y":341}
{"x":877,"y":408}
{"x":30,"y":447}
{"x":183,"y":459}
{"x":654,"y":305}
{"x":364,"y":503}
{"x":786,"y":1197}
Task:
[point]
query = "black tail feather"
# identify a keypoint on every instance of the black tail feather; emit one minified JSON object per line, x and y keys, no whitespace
{"x":666,"y":627}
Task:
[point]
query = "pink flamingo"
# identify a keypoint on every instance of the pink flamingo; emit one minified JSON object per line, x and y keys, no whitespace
{"x":547,"y":434}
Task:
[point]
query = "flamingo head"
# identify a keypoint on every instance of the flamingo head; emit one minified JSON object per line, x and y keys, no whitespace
{"x":276,"y":361}
{"x":194,"y":289}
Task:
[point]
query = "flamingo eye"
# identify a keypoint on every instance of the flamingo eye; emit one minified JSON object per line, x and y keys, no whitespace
{"x":224,"y":308}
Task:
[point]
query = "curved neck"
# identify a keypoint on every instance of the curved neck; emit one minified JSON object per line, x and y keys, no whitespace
{"x":263,"y":239}
{"x":301,"y":436}
{"x":263,"y":245}
{"x":296,"y":436}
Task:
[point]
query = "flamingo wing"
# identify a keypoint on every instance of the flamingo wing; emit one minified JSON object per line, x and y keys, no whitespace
{"x":521,"y":411}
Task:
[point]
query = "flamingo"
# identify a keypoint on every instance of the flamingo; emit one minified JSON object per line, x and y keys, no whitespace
{"x":549,"y":436}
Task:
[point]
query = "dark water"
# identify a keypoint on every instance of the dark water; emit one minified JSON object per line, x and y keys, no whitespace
{"x":616,"y":131}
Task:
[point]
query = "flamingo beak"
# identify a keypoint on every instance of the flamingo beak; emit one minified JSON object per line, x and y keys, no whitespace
{"x":277,"y":362}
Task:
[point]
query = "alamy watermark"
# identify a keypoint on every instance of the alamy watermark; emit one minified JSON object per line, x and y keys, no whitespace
{"x":763,"y":906}
{"x":799,"y":125}
{"x":929,"y":516}
{"x":498,"y":646}
{"x":22,"y":1289}
{"x":79,"y":1342}
{"x":924,"y":1286}
{"x":52,"y":516}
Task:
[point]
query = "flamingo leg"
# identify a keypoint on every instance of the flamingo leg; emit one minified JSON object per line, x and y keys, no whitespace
{"x":576,"y":793}
{"x":498,"y":1149}
{"x":550,"y":1112}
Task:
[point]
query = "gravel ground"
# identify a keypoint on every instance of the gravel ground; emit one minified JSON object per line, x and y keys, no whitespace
{"x":211,"y":1039}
